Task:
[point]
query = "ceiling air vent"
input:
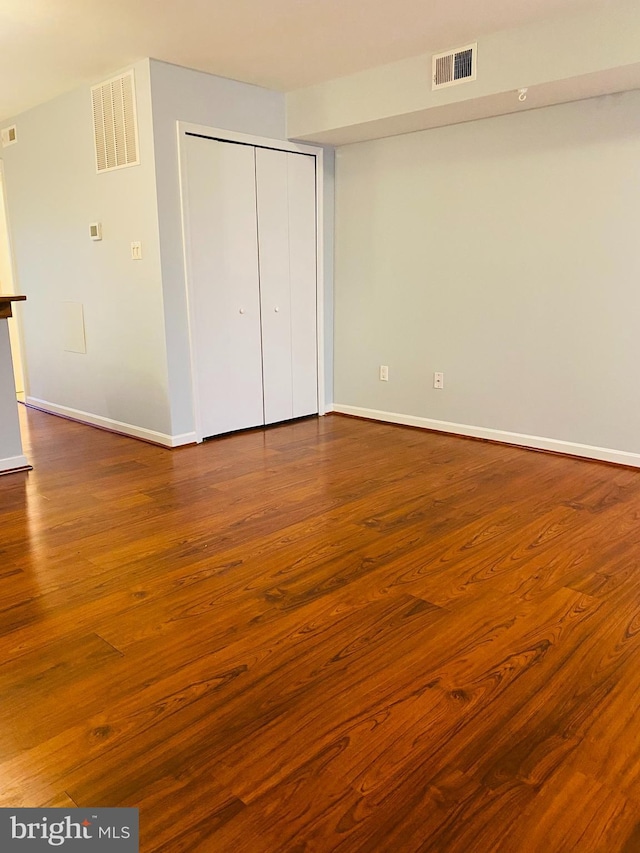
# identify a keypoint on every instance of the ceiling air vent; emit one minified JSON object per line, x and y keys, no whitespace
{"x":115,"y":126}
{"x":9,"y":135}
{"x":454,"y":66}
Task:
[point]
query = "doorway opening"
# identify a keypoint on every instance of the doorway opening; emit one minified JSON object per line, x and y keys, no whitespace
{"x":7,"y":286}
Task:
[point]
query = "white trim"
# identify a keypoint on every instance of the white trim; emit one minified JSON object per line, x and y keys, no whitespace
{"x":319,"y":155}
{"x":14,"y":463}
{"x":111,"y":425}
{"x":223,"y":135}
{"x":587,"y":451}
{"x":279,"y":145}
{"x":184,"y":219}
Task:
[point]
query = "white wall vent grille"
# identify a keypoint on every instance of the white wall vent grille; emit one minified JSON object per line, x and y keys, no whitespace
{"x":9,"y":135}
{"x":454,"y":66}
{"x":115,"y":125}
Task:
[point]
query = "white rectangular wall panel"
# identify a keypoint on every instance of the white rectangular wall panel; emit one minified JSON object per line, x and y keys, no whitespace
{"x":222,"y":252}
{"x":73,"y":334}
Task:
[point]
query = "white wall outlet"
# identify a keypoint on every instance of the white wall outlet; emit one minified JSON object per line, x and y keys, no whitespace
{"x":438,"y":380}
{"x":384,"y":373}
{"x":136,"y":251}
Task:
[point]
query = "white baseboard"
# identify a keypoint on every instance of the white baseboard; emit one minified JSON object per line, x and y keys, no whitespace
{"x":536,"y":442}
{"x":14,"y":463}
{"x":111,"y":425}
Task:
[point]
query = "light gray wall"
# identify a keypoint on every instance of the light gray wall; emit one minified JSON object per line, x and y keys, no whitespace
{"x":565,"y":57}
{"x":53,"y":193}
{"x":180,"y":94}
{"x":136,"y":370}
{"x":504,"y":253}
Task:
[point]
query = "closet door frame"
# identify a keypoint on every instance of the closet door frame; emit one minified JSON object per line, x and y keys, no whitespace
{"x":185,"y":129}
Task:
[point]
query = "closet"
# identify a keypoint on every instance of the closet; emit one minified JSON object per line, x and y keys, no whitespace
{"x":250,"y":233}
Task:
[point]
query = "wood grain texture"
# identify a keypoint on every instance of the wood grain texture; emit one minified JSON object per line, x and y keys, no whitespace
{"x":331,"y":635}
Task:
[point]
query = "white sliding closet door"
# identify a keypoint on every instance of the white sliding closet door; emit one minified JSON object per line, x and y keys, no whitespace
{"x":285,"y":185}
{"x":223,"y":254}
{"x":273,"y":242}
{"x":301,"y":169}
{"x":250,"y":227}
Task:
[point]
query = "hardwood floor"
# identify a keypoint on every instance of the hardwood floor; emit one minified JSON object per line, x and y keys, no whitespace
{"x":328,"y":636}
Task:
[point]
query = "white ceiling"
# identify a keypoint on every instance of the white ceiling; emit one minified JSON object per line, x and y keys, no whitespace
{"x":51,"y":46}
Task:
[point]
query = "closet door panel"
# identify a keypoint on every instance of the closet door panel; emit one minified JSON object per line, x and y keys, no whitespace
{"x":301,"y":180}
{"x":274,"y":251}
{"x":223,"y":255}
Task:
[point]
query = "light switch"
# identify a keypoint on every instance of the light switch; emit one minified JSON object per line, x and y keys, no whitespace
{"x":136,"y":251}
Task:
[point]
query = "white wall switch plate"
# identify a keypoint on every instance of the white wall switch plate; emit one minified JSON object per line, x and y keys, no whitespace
{"x":136,"y":251}
{"x":384,"y":373}
{"x":438,"y":380}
